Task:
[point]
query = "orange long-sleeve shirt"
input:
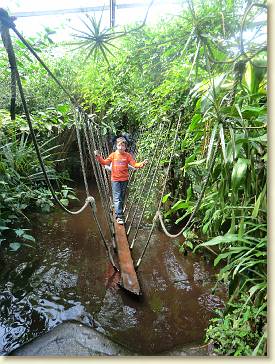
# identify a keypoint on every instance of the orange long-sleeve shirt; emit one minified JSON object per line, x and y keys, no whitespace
{"x":120,"y":163}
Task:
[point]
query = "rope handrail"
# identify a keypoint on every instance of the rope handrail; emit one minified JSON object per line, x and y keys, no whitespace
{"x":90,"y":141}
{"x":8,"y":22}
{"x":164,"y":185}
{"x":144,"y":181}
{"x":140,"y":181}
{"x":158,"y":152}
{"x":13,"y":63}
{"x":149,"y":190}
{"x":87,"y":192}
{"x":12,"y":59}
{"x":158,"y":214}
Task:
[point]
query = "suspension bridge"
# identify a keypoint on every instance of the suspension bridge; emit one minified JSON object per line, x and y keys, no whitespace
{"x":118,"y":240}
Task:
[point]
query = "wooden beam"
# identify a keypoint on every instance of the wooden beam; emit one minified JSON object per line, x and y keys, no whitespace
{"x":112,"y":13}
{"x":22,"y":14}
{"x":129,"y":278}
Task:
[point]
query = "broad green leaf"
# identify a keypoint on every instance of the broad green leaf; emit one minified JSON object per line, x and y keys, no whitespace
{"x":261,"y":341}
{"x":239,"y":172}
{"x":188,"y":243}
{"x":65,"y":193}
{"x":64,"y":201}
{"x":15,"y":246}
{"x":2,"y":228}
{"x":228,"y":238}
{"x":28,"y":237}
{"x":165,"y":198}
{"x":233,"y":143}
{"x":206,"y":226}
{"x":196,"y":163}
{"x":222,"y":256}
{"x":190,"y":159}
{"x":194,"y":122}
{"x":72,"y":197}
{"x":261,"y":138}
{"x":179,"y":205}
{"x":223,"y":143}
{"x":239,"y":111}
{"x":19,"y":232}
{"x":211,"y":143}
{"x":250,"y":111}
{"x":182,"y":217}
{"x":189,"y":193}
{"x":259,"y":202}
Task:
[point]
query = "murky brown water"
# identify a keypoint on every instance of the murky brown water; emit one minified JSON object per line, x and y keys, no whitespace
{"x":68,"y":277}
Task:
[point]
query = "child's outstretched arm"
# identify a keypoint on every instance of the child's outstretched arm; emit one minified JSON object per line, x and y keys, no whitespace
{"x":135,"y":164}
{"x":99,"y":158}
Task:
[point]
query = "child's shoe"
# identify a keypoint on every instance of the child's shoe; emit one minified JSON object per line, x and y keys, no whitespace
{"x":120,"y":221}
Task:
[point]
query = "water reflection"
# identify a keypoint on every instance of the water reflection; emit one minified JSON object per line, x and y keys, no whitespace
{"x":68,"y":277}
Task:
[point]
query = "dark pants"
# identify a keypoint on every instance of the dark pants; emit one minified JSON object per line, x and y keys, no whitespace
{"x":119,"y":189}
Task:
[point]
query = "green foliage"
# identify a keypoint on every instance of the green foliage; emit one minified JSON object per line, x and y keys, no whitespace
{"x":94,"y":40}
{"x":14,"y":238}
{"x":238,"y":333}
{"x":203,"y":64}
{"x":40,"y":90}
{"x":22,"y":185}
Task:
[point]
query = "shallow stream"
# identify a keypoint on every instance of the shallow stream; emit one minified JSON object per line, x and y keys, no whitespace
{"x":67,"y":276}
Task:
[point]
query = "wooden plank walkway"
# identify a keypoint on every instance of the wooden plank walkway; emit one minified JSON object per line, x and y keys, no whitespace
{"x":129,"y":278}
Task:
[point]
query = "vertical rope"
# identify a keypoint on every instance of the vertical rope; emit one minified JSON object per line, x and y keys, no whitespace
{"x":149,"y":190}
{"x":144,"y":182}
{"x":91,"y":146}
{"x":89,"y":200}
{"x":158,"y":214}
{"x":132,"y":177}
{"x":103,"y":170}
{"x":104,"y":176}
{"x":141,"y":177}
{"x":13,"y":63}
{"x":160,"y":202}
{"x":78,"y":116}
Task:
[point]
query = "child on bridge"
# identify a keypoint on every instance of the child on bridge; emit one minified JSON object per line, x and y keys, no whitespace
{"x":120,"y":160}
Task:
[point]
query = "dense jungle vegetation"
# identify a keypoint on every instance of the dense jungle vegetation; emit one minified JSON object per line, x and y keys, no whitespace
{"x":208,"y":65}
